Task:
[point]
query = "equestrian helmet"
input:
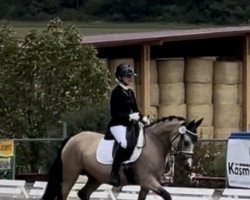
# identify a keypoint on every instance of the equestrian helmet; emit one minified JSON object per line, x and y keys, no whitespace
{"x":124,"y":70}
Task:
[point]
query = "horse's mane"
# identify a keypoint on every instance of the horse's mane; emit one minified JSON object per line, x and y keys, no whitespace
{"x":169,"y":118}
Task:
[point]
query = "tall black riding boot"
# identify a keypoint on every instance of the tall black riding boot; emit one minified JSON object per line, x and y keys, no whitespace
{"x":114,"y":178}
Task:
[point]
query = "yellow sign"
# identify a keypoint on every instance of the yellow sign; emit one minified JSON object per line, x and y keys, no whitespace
{"x":6,"y":148}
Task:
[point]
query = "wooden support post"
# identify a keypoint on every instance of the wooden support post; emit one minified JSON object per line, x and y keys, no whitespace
{"x":246,"y":85}
{"x":145,"y":79}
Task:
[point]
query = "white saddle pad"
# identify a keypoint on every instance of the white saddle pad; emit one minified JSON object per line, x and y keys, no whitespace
{"x":105,"y":148}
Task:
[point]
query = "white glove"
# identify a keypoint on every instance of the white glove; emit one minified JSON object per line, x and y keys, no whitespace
{"x":145,"y":120}
{"x":134,"y":116}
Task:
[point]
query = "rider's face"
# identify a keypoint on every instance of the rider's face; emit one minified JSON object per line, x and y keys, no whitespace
{"x":127,"y":79}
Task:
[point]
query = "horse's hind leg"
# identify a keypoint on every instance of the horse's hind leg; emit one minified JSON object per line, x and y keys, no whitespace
{"x":143,"y":193}
{"x":90,"y":186}
{"x":66,"y":187}
{"x":69,"y":178}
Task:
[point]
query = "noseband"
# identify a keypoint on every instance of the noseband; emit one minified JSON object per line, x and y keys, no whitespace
{"x":182,"y":131}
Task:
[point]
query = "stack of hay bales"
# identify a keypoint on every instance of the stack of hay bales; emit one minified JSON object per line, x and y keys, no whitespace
{"x":227,"y":101}
{"x":154,"y":88}
{"x":172,"y":88}
{"x":192,"y":88}
{"x":199,"y":90}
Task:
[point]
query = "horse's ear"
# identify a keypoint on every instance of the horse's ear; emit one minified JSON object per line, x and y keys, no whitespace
{"x":190,"y":124}
{"x":198,"y":123}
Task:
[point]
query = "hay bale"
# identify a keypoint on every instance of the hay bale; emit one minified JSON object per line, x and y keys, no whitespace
{"x":199,"y":70}
{"x":173,"y":109}
{"x":224,"y":132}
{"x":226,"y":72}
{"x":226,"y":115}
{"x":197,"y":111}
{"x":155,"y":94}
{"x":240,"y":72}
{"x":239,"y":94}
{"x":153,"y":72}
{"x":171,"y":70}
{"x":241,"y":117}
{"x":205,"y":132}
{"x":199,"y":93}
{"x":225,"y":94}
{"x":153,"y":113}
{"x":172,"y":93}
{"x":154,"y":91}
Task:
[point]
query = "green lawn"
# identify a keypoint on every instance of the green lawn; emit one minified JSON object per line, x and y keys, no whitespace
{"x":22,"y":28}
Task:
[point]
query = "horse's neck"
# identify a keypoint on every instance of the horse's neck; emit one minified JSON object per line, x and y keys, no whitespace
{"x":161,"y":140}
{"x":160,"y":131}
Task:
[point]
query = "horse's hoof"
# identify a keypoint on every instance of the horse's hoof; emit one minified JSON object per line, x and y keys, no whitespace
{"x":81,"y":195}
{"x":114,"y":183}
{"x":114,"y":180}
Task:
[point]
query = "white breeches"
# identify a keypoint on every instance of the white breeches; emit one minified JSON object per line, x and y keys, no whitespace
{"x":119,"y":133}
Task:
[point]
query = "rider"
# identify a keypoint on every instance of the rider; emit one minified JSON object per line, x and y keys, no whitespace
{"x":124,"y":110}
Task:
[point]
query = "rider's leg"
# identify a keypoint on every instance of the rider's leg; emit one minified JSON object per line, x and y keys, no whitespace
{"x":119,"y":132}
{"x":118,"y":159}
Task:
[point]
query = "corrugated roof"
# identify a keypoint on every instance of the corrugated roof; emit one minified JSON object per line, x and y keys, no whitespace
{"x":163,"y":36}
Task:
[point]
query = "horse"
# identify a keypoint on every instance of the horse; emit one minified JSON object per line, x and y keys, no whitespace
{"x":77,"y":156}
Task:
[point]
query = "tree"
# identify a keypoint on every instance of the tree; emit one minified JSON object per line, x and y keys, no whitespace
{"x":41,"y":78}
{"x":44,"y":76}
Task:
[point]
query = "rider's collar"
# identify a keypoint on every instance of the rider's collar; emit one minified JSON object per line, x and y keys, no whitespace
{"x":123,"y":86}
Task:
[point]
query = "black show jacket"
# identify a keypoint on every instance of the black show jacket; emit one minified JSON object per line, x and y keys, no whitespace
{"x":122,"y":103}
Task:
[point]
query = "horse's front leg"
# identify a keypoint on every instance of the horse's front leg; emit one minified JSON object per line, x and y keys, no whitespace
{"x":143,"y":193}
{"x":154,"y":185}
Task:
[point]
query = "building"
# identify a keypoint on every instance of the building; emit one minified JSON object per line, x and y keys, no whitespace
{"x":194,"y":73}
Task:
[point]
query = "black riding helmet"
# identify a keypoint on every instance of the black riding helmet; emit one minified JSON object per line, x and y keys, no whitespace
{"x":124,"y":70}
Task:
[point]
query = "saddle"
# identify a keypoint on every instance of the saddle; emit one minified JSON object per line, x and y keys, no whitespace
{"x":108,"y":145}
{"x":131,"y":136}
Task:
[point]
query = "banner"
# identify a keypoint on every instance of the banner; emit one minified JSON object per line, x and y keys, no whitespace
{"x":238,"y":160}
{"x":6,"y":148}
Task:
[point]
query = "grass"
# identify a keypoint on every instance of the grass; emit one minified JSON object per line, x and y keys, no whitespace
{"x":94,"y":28}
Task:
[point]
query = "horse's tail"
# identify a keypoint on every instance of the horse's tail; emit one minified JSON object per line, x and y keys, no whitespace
{"x":53,"y":188}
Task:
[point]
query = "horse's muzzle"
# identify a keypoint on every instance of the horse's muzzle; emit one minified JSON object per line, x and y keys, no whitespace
{"x":188,"y":167}
{"x":188,"y":163}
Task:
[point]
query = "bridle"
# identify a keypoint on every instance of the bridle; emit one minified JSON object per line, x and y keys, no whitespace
{"x":179,"y":151}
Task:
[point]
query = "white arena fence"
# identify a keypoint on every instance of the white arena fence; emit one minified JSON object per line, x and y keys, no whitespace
{"x":46,"y":149}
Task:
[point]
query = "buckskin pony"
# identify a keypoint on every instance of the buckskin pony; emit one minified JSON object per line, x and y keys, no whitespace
{"x":77,"y":156}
